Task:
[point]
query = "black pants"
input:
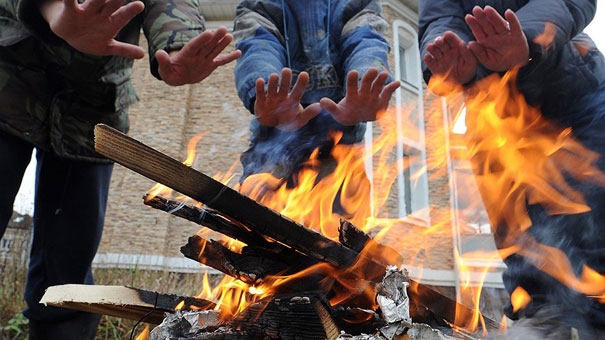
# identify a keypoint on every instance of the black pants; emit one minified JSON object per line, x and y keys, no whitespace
{"x":69,"y":210}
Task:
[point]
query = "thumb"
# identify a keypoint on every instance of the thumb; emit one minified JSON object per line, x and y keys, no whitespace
{"x":329,"y":105}
{"x":310,"y":112}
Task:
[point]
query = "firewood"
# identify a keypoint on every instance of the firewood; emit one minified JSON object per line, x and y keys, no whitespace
{"x":165,"y":170}
{"x":355,"y":239}
{"x":246,"y":267}
{"x":214,"y":220}
{"x":119,"y":301}
{"x":208,"y":218}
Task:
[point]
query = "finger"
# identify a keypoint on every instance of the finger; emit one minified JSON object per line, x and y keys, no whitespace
{"x":126,"y":50}
{"x":434,"y":51}
{"x":433,"y":64}
{"x":389,"y":89}
{"x":309,"y":113}
{"x":219,"y":41}
{"x":437,"y":48}
{"x":330,"y":106}
{"x":479,"y":51}
{"x":194,"y":46}
{"x":260,"y":91}
{"x":496,"y":21}
{"x":481,"y":16}
{"x":379,"y":81}
{"x":227,"y":58}
{"x":299,"y":87}
{"x":452,"y":42}
{"x":272,"y":84}
{"x":367,"y":79}
{"x":475,"y":27}
{"x":109,"y":7}
{"x":126,"y":13}
{"x":352,"y":79}
{"x":514,"y":24}
{"x":93,"y":6}
{"x":285,"y":81}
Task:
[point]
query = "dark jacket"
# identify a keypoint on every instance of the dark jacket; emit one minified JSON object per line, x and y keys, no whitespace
{"x":53,"y":95}
{"x":559,"y":73}
{"x":327,"y":39}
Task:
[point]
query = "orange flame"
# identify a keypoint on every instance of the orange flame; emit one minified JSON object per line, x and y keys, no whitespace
{"x":518,"y":157}
{"x":144,"y":335}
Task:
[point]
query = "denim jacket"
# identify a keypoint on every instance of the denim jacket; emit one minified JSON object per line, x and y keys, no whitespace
{"x":325,"y":38}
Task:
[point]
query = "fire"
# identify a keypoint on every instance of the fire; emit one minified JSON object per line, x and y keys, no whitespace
{"x":519,"y":298}
{"x":144,"y":335}
{"x":517,"y":157}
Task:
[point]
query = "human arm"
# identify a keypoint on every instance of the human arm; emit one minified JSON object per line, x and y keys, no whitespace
{"x":91,"y":27}
{"x":364,"y":51}
{"x":264,"y":58}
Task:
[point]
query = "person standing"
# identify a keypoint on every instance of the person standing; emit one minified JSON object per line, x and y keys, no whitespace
{"x":65,"y":66}
{"x":309,"y":69}
{"x":561,"y":72}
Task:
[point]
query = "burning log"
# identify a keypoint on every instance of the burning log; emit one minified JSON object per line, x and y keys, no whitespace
{"x":163,"y":169}
{"x":248,"y":267}
{"x":260,"y":225}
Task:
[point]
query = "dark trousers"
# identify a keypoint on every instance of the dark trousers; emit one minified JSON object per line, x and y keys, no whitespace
{"x":580,"y":237}
{"x":69,"y":210}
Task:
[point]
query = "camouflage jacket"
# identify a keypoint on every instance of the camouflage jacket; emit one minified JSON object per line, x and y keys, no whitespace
{"x":53,"y":95}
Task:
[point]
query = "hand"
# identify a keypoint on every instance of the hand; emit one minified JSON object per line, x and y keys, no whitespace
{"x":364,"y":103}
{"x":450,"y":59}
{"x":278,"y":106}
{"x":500,"y":42}
{"x":197,"y":59}
{"x":90,"y":27}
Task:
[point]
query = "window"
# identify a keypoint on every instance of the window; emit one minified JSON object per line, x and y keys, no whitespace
{"x":409,"y":195}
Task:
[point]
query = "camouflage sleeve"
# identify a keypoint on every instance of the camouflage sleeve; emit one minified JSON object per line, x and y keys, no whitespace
{"x":169,"y":25}
{"x":27,"y":13}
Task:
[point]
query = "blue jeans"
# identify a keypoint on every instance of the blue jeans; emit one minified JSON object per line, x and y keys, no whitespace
{"x":69,"y":211}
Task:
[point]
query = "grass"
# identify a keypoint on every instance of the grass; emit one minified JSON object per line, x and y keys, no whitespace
{"x":14,"y":326}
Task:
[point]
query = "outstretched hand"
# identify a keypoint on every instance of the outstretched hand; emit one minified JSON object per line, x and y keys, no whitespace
{"x":281,"y":108}
{"x":450,"y":59}
{"x":90,"y":27}
{"x":197,"y":59}
{"x":363,"y":103}
{"x":500,"y":42}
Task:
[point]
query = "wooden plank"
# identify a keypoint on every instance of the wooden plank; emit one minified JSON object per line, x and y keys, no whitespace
{"x":119,"y":301}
